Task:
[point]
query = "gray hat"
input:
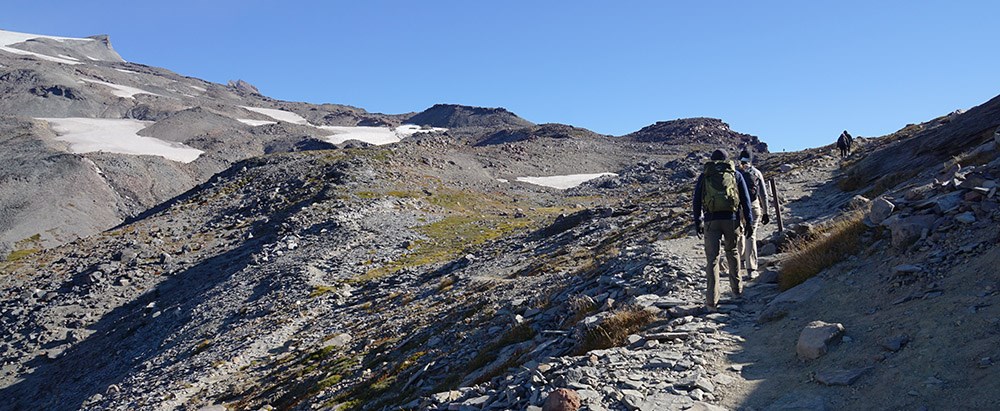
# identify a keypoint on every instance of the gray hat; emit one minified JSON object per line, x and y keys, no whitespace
{"x":719,"y":155}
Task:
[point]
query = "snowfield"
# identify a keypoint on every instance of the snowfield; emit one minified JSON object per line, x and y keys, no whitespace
{"x":88,"y":135}
{"x":280,"y":115}
{"x":36,"y":55}
{"x":8,"y":38}
{"x":11,"y":37}
{"x":119,"y":90}
{"x":340,"y":134}
{"x":563,"y":182}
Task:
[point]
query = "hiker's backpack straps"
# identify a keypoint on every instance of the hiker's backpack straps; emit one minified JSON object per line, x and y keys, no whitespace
{"x":719,"y":191}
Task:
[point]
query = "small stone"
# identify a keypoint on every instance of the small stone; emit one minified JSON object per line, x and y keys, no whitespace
{"x":895,"y":343}
{"x":562,"y":400}
{"x":906,"y":269}
{"x":967,"y":217}
{"x":985,"y":362}
{"x":815,"y":337}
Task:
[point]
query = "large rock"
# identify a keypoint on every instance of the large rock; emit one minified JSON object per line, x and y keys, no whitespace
{"x":562,"y":400}
{"x":815,"y":339}
{"x":906,"y":231}
{"x":881,"y":209}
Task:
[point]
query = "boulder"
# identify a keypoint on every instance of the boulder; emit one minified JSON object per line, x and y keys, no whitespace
{"x":786,"y":168}
{"x":906,"y":231}
{"x":815,"y":338}
{"x":562,"y":399}
{"x":881,"y":209}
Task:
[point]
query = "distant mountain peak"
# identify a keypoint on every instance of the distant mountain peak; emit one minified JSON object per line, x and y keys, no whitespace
{"x":455,"y":116}
{"x":697,"y":130}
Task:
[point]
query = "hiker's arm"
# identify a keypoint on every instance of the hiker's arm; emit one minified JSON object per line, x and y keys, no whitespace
{"x":761,"y":190}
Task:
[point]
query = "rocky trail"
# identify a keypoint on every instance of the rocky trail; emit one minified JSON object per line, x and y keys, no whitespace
{"x":687,"y":358}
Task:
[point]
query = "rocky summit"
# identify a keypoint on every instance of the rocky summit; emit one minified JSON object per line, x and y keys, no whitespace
{"x":172,"y":243}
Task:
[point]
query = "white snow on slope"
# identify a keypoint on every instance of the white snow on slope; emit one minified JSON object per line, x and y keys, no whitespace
{"x":120,"y":90}
{"x":280,"y":115}
{"x":407,"y":130}
{"x":254,"y":123}
{"x":36,"y":55}
{"x":373,"y":135}
{"x":10,"y":37}
{"x":88,"y":135}
{"x":340,"y":134}
{"x":562,"y":182}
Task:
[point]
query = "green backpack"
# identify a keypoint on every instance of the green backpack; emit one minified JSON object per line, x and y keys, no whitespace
{"x":719,"y":192}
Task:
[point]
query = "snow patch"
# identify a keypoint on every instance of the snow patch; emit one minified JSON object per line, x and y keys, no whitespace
{"x":503,"y":180}
{"x":201,"y":89}
{"x":63,"y":56}
{"x":407,"y":130}
{"x":280,"y":115}
{"x":37,"y":55}
{"x":121,"y":91}
{"x":125,"y":71}
{"x":372,"y":135}
{"x":88,"y":135}
{"x":563,"y":182}
{"x":10,"y":37}
{"x":254,"y":123}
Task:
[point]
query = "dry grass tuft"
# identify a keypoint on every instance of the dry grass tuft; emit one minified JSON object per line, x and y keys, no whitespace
{"x":831,"y":243}
{"x":614,"y":330}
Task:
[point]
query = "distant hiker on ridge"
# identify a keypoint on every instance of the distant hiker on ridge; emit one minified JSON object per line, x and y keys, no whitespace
{"x":747,"y":245}
{"x":719,"y":195}
{"x":844,"y":143}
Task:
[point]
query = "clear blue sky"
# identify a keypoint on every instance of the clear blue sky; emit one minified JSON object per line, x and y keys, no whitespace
{"x":795,"y":73}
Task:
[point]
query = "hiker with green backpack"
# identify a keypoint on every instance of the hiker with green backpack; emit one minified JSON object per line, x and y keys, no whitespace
{"x":720,"y":197}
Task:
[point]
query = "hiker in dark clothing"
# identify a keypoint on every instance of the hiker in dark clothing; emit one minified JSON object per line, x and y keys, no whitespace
{"x":720,"y":197}
{"x":844,"y":143}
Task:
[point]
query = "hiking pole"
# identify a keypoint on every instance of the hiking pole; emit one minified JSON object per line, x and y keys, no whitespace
{"x":777,"y":204}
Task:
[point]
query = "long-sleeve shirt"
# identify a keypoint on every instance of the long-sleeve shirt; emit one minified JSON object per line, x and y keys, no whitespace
{"x":744,"y":203}
{"x":761,"y":188}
